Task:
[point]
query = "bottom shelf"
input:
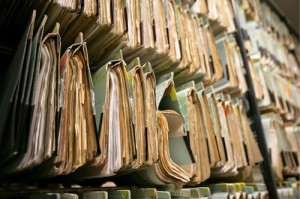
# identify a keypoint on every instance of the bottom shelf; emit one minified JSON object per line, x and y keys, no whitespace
{"x":221,"y":190}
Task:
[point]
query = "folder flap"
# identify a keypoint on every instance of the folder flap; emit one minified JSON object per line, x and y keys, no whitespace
{"x":177,"y":142}
{"x":136,"y":62}
{"x":118,"y":55}
{"x":188,"y":85}
{"x":169,"y":99}
{"x":100,"y":82}
{"x":164,"y":85}
{"x":79,"y":39}
{"x":209,"y":91}
{"x":199,"y":87}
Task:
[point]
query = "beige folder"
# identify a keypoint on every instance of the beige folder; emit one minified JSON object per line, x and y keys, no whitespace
{"x":192,"y":111}
{"x":229,"y":83}
{"x":165,"y":171}
{"x":182,"y":30}
{"x":42,"y":133}
{"x":238,"y":65}
{"x":167,"y":167}
{"x":113,"y":121}
{"x":171,"y":167}
{"x":76,"y":139}
{"x":214,"y":156}
{"x":230,"y":167}
{"x":253,"y":151}
{"x":150,"y":110}
{"x":256,"y":83}
{"x":179,"y":144}
{"x":173,"y":36}
{"x":235,"y":132}
{"x":215,"y":119}
{"x":213,"y":57}
{"x":161,"y":40}
{"x":77,"y":143}
{"x":138,"y":105}
{"x":147,"y":35}
{"x":272,"y":140}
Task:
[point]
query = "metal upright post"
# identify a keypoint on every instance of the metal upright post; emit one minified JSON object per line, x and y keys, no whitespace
{"x":254,"y":112}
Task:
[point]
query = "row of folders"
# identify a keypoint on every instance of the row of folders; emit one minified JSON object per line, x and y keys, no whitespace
{"x":59,"y":118}
{"x":171,"y":35}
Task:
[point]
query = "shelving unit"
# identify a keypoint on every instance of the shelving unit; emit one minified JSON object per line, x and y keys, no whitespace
{"x":254,"y":115}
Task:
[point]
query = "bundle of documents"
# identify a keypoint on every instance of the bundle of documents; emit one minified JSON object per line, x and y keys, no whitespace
{"x":217,"y":152}
{"x":166,"y":171}
{"x":233,"y":81}
{"x":147,"y":24}
{"x":221,"y":14}
{"x":214,"y":156}
{"x":283,"y":157}
{"x":205,"y":63}
{"x":252,"y":9}
{"x":258,"y":88}
{"x":43,"y":129}
{"x":113,"y":119}
{"x":200,"y":7}
{"x":171,"y":167}
{"x":243,"y":152}
{"x":134,"y":137}
{"x":103,"y":26}
{"x":195,"y":125}
{"x":292,"y":132}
